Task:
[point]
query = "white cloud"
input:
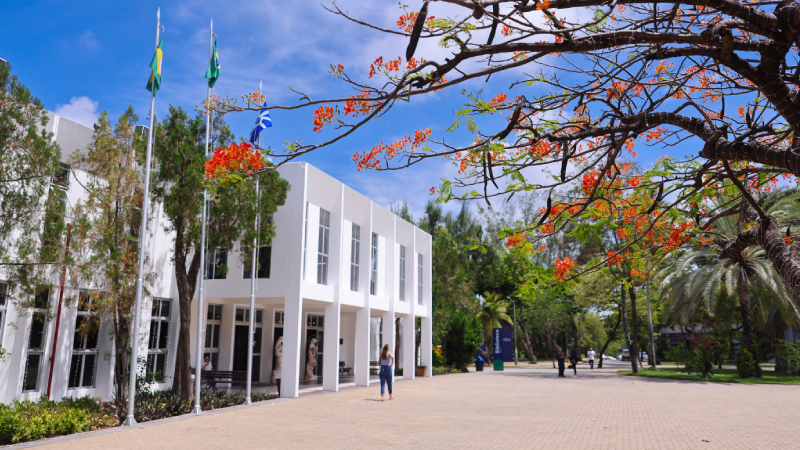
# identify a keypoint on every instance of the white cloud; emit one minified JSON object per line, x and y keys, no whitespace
{"x":89,"y":40}
{"x":79,"y":109}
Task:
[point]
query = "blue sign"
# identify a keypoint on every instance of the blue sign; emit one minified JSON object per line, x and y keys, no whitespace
{"x":508,"y":343}
{"x":497,"y":343}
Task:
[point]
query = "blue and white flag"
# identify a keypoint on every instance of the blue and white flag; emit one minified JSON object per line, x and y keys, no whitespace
{"x":262,"y":123}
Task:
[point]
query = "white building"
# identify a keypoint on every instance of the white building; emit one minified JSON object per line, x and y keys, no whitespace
{"x":339,"y":268}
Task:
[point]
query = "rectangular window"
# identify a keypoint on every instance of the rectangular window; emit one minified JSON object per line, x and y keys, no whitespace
{"x":217,"y":267}
{"x":355,"y":249}
{"x":264,"y":263}
{"x":402,"y":273}
{"x":61,"y":176}
{"x":419,"y":279}
{"x":279,"y":318}
{"x":322,"y":248}
{"x":3,"y":302}
{"x":305,"y":242}
{"x":373,"y":277}
{"x":159,"y":338}
{"x":83,"y":366}
{"x":36,"y":342}
{"x":213,"y":325}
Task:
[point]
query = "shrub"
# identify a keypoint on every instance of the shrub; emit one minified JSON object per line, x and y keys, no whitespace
{"x":790,"y":352}
{"x":464,"y":336}
{"x":438,"y":359}
{"x":162,"y":404}
{"x":29,"y":421}
{"x":676,"y":354}
{"x":747,"y":364}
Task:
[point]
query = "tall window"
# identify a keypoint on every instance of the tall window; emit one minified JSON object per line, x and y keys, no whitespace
{"x":264,"y":259}
{"x":3,"y":303}
{"x":305,"y":242}
{"x":322,"y":248}
{"x":217,"y":267}
{"x":419,"y":279}
{"x":55,"y":213}
{"x":159,"y":338}
{"x":36,"y":341}
{"x":373,"y":277}
{"x":61,"y":176}
{"x":83,"y":366}
{"x":402,"y":273}
{"x":213,"y":324}
{"x":355,"y":249}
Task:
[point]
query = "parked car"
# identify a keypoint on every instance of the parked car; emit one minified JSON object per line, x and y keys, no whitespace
{"x":608,"y":357}
{"x":624,"y":354}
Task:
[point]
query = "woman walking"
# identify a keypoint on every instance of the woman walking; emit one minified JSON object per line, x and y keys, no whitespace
{"x":387,"y":361}
{"x":573,"y":358}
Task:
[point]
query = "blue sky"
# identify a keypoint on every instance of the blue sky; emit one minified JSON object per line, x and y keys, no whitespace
{"x":81,"y":58}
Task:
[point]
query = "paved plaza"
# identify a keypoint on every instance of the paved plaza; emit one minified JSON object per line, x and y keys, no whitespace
{"x":518,"y":408}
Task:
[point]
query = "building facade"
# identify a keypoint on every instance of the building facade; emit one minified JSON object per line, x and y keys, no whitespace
{"x":342,"y":277}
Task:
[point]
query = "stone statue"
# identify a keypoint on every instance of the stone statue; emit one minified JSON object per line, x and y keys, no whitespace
{"x":276,"y":371}
{"x":311,"y":361}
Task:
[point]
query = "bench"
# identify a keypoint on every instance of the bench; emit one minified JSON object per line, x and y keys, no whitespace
{"x":344,"y":370}
{"x":374,"y":367}
{"x":212,"y":378}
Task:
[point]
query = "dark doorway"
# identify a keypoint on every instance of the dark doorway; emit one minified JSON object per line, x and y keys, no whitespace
{"x":240,"y":351}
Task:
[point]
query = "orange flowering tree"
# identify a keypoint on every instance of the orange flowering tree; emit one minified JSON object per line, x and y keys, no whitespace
{"x":598,"y":84}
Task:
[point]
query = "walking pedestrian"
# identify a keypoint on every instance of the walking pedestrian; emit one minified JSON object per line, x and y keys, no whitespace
{"x":387,"y":361}
{"x":560,"y":357}
{"x":590,"y":354}
{"x":573,"y":358}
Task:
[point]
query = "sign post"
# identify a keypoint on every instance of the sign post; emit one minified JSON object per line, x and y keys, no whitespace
{"x":497,"y":348}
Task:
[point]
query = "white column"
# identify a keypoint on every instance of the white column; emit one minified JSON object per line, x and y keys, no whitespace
{"x":409,"y":335}
{"x":388,"y":332}
{"x":426,"y":345}
{"x":293,"y":300}
{"x":330,"y":359}
{"x":363,"y":343}
{"x":426,"y":326}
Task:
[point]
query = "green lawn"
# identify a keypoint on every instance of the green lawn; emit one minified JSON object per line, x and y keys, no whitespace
{"x":723,"y":376}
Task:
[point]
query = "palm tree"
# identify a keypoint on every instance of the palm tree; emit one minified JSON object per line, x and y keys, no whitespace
{"x":693,"y":279}
{"x":492,"y":313}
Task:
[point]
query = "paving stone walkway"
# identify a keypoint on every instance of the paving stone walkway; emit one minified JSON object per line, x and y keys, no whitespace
{"x":519,"y":408}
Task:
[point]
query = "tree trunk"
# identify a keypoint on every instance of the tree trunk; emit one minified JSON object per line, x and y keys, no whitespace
{"x":554,"y":348}
{"x":635,"y":332}
{"x":611,"y":338}
{"x":526,"y":340}
{"x":748,"y":340}
{"x":652,"y":360}
{"x":625,"y":327}
{"x":186,"y":280}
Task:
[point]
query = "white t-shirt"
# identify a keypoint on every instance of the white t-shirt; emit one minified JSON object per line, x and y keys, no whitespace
{"x":590,"y":355}
{"x":207,"y":366}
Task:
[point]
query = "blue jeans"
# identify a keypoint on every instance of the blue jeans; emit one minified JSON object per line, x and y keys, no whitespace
{"x":386,"y":378}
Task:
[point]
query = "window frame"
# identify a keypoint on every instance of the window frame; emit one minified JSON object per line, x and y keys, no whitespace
{"x":402,"y":275}
{"x":215,"y":310}
{"x":157,"y":352}
{"x":39,"y":312}
{"x":420,"y":283}
{"x":265,"y":269}
{"x":85,"y":297}
{"x":373,"y":280}
{"x":323,"y":246}
{"x":216,"y":258}
{"x":355,"y":257}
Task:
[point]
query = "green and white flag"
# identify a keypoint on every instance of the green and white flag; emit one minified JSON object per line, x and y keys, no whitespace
{"x":155,"y":66}
{"x":213,"y":71}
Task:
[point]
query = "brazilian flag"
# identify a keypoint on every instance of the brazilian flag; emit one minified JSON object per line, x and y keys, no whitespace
{"x":212,"y":73}
{"x":155,"y":66}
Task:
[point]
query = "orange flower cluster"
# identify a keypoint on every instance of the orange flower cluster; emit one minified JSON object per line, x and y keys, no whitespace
{"x":213,"y":98}
{"x":357,"y":108}
{"x":506,"y":30}
{"x":564,"y":268}
{"x":517,"y":239}
{"x":406,"y":21}
{"x":543,"y":4}
{"x":498,"y":99}
{"x":239,"y":158}
{"x":390,"y":66}
{"x":613,"y":258}
{"x":322,"y":116}
{"x":656,"y":134}
{"x":589,"y":182}
{"x":371,"y":159}
{"x":616,"y":89}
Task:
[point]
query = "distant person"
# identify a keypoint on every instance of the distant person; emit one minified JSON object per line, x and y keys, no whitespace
{"x":560,"y":357}
{"x":590,"y":354}
{"x":573,"y":358}
{"x":387,"y":360}
{"x":208,"y":367}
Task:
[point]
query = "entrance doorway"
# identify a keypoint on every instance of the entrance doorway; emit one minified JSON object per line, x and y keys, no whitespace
{"x":315,"y":334}
{"x":240,"y":341}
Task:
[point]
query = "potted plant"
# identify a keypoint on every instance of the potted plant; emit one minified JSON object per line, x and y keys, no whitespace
{"x":421,"y":370}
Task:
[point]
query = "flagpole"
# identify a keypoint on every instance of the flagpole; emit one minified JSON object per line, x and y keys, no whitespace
{"x":134,"y":366}
{"x":253,"y":275}
{"x":200,"y":341}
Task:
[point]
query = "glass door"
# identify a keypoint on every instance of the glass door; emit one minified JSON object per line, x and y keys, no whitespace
{"x":240,"y":341}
